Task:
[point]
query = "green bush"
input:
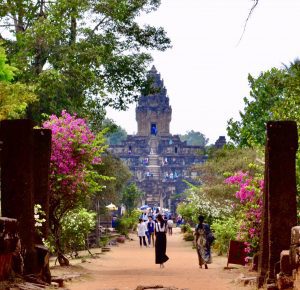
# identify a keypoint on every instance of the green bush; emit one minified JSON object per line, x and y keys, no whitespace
{"x":128,"y":223}
{"x":188,"y":236}
{"x":224,"y":231}
{"x":186,"y":228}
{"x":103,"y":241}
{"x":76,"y":225}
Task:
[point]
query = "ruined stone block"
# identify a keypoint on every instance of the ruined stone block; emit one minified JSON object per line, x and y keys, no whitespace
{"x":295,"y":235}
{"x":285,"y":282}
{"x":285,"y":265}
{"x":8,"y":242}
{"x":8,"y":235}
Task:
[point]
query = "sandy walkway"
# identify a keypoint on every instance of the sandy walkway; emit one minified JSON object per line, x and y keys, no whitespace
{"x":128,"y":266}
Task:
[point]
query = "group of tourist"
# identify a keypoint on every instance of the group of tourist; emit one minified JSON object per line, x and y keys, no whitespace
{"x":203,"y":238}
{"x":158,"y":228}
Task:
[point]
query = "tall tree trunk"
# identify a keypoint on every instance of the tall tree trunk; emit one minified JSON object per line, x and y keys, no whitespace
{"x":73,"y":30}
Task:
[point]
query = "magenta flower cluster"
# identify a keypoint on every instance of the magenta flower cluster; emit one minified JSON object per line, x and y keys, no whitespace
{"x":249,"y":195}
{"x":73,"y":152}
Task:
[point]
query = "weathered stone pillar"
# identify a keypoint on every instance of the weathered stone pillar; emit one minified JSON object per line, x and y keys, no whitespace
{"x":41,"y":164}
{"x":279,"y":214}
{"x":17,"y":176}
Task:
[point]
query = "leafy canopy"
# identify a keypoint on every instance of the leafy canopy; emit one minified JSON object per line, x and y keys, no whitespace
{"x":14,"y":97}
{"x":80,"y":55}
{"x":194,"y":138}
{"x":274,"y":95}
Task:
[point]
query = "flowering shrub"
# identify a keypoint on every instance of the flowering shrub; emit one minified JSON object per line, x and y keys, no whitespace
{"x":75,"y":149}
{"x":249,"y":194}
{"x":199,"y":202}
{"x":76,"y":225}
{"x":39,"y":218}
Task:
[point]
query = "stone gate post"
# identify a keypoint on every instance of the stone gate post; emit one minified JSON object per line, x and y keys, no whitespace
{"x":279,"y":207}
{"x":17,"y":176}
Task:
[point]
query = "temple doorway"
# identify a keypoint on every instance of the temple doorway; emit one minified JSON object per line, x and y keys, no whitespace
{"x":153,"y":129}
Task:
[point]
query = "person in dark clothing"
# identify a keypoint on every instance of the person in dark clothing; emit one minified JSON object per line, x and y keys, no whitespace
{"x":203,"y":240}
{"x":160,"y":241}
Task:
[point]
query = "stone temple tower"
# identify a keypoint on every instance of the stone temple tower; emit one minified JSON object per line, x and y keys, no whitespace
{"x":153,"y":113}
{"x":159,"y":161}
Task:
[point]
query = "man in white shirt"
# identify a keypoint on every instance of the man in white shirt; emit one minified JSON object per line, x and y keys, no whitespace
{"x":170,"y":226}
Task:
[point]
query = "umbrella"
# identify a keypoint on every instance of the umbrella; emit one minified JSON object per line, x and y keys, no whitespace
{"x":144,"y":207}
{"x":111,"y":206}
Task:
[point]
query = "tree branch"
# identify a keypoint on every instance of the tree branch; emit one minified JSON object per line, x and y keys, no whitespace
{"x":100,"y":22}
{"x":246,"y":22}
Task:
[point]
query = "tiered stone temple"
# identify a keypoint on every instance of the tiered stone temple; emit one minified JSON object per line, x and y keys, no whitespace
{"x":158,"y":160}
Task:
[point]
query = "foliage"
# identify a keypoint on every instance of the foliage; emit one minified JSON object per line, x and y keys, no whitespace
{"x":224,"y":231}
{"x":104,"y":240}
{"x":70,"y":60}
{"x":116,"y":136}
{"x":128,"y":222}
{"x":119,"y":175}
{"x":188,"y":236}
{"x":14,"y":97}
{"x":131,"y":196}
{"x":186,"y":228}
{"x":76,"y":225}
{"x":274,"y":95}
{"x":213,"y":198}
{"x":198,"y":202}
{"x":6,"y":71}
{"x":72,"y":180}
{"x":188,"y":209}
{"x":194,"y":138}
{"x":39,"y":217}
{"x":249,"y":195}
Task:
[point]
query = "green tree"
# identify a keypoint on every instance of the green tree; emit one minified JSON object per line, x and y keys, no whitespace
{"x":71,"y":60}
{"x":6,"y":71}
{"x":266,"y":93}
{"x":131,"y":197}
{"x":113,"y":187}
{"x":116,"y":134}
{"x":14,"y":97}
{"x":194,"y":138}
{"x":274,"y":96}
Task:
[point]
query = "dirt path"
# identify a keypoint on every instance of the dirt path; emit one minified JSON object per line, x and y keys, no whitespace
{"x":128,"y":266}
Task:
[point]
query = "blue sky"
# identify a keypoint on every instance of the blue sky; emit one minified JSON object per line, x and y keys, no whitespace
{"x":206,"y":71}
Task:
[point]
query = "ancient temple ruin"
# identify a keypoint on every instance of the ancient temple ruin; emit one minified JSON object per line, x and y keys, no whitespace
{"x":159,"y":161}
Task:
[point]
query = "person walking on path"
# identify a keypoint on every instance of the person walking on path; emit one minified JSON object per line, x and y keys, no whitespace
{"x":150,"y":232}
{"x":141,"y":232}
{"x":170,"y":226}
{"x":203,"y":239}
{"x":160,"y":241}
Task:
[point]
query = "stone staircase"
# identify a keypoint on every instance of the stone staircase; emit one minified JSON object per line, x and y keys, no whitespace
{"x":153,"y":168}
{"x":153,"y":165}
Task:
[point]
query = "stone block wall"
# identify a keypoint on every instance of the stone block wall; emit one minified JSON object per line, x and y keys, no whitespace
{"x":8,"y":243}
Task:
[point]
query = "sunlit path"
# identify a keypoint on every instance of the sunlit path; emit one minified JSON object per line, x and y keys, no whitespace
{"x":129,"y":265}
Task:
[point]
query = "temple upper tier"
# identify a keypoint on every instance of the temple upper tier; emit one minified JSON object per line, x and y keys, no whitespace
{"x":153,"y":112}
